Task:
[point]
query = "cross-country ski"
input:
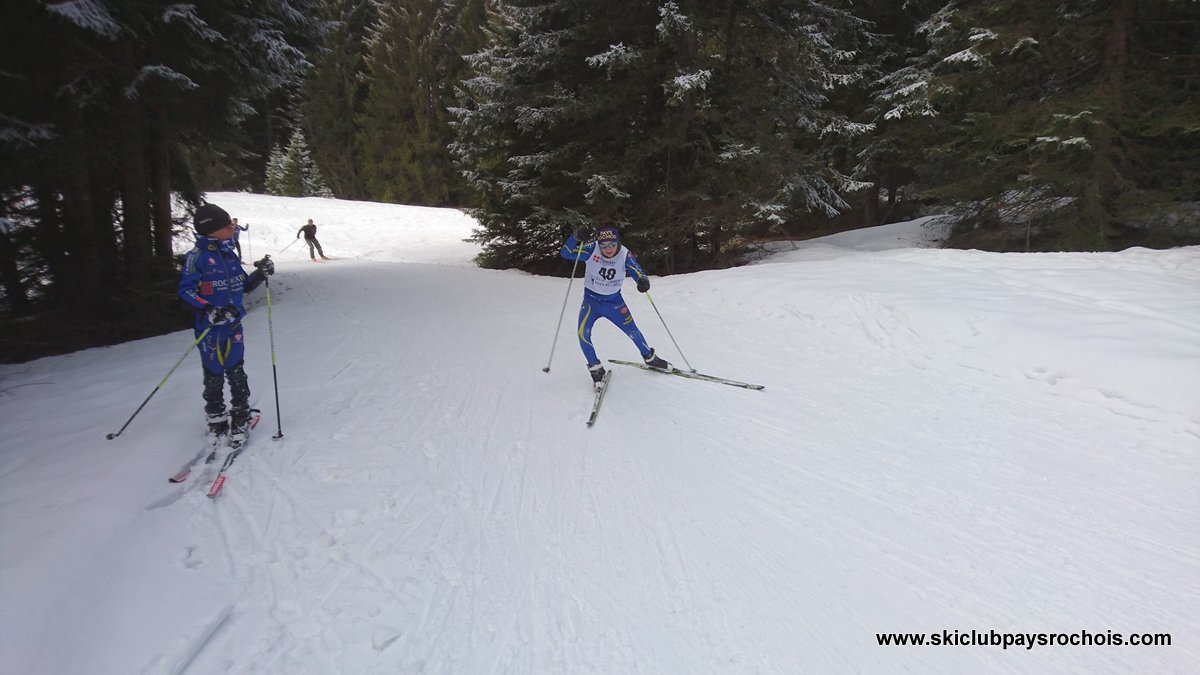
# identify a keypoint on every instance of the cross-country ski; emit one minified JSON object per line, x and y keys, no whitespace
{"x":690,"y":375}
{"x":598,"y":399}
{"x":237,"y":444}
{"x":208,"y":455}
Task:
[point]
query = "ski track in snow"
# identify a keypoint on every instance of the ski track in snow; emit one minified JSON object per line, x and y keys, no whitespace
{"x":436,"y":504}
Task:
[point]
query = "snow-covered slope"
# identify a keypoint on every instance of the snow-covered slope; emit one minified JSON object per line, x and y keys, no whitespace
{"x":948,"y":441}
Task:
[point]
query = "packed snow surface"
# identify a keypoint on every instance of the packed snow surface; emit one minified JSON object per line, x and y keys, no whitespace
{"x":949,"y":441}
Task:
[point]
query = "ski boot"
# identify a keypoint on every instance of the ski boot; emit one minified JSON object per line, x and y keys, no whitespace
{"x":218,"y":425}
{"x":239,"y":427}
{"x":653,"y":361}
{"x":597,"y":372}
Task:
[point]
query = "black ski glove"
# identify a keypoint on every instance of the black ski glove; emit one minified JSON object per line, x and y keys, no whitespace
{"x":585,"y":233}
{"x":220,"y":316}
{"x":266,"y":266}
{"x":643,"y":284}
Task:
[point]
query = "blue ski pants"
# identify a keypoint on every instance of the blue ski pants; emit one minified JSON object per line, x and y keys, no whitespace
{"x":613,"y":308}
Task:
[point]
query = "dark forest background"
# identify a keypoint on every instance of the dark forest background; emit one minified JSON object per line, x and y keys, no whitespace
{"x":701,"y":128}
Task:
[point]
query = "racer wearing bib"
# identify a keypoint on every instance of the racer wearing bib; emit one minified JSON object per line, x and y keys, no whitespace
{"x":606,"y":264}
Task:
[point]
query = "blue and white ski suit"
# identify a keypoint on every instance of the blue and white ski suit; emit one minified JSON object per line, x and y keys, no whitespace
{"x":213,"y":276}
{"x":602,"y":293}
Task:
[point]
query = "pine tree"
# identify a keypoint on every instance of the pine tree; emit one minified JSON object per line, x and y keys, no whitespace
{"x":314,"y":183}
{"x":107,"y":104}
{"x":688,"y":124}
{"x":335,"y":93}
{"x":1056,"y":121}
{"x":292,"y":172}
{"x":885,"y":151}
{"x":415,"y":56}
{"x":276,"y":183}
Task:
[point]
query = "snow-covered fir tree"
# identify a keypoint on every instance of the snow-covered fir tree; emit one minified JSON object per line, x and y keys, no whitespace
{"x":413,"y":61}
{"x":687,"y":124}
{"x":275,"y":183}
{"x":334,"y":91}
{"x":291,"y":172}
{"x":1044,"y":117}
{"x":110,"y":110}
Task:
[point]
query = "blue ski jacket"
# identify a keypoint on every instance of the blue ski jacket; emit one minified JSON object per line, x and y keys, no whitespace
{"x":213,"y":276}
{"x":602,"y":276}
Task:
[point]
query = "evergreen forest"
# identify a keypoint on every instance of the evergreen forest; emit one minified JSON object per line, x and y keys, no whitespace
{"x":700,"y":128}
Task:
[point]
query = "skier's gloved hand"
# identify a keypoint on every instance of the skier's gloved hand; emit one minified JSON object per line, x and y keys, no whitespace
{"x":220,"y":316}
{"x":585,"y":233}
{"x":266,"y":266}
{"x":643,"y":284}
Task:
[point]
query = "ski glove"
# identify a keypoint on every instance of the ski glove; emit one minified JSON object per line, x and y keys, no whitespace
{"x":585,"y":233}
{"x":220,"y":316}
{"x":643,"y":284}
{"x":266,"y":266}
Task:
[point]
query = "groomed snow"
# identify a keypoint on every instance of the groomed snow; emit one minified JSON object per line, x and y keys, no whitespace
{"x":948,"y":440}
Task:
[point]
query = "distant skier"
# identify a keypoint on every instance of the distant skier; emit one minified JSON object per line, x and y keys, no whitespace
{"x":212,"y":282}
{"x":310,"y":237}
{"x":236,"y":243}
{"x":607,"y":263}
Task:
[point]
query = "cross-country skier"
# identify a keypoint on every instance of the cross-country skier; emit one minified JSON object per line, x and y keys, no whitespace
{"x":212,"y":282}
{"x":607,"y":263}
{"x":309,"y":230}
{"x":237,"y":229}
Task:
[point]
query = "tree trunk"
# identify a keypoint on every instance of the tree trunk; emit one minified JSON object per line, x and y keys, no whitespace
{"x":108,"y":253}
{"x":84,"y":284}
{"x":135,"y":196}
{"x":48,"y":236}
{"x":160,"y":152}
{"x":1105,"y":167}
{"x":10,"y":276}
{"x":1116,"y":48}
{"x":871,"y":207}
{"x":718,"y":245}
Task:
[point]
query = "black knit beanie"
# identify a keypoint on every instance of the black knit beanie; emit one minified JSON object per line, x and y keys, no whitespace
{"x":209,"y":218}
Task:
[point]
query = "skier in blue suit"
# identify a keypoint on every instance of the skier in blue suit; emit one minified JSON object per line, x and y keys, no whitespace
{"x":212,"y":282}
{"x":607,"y":263}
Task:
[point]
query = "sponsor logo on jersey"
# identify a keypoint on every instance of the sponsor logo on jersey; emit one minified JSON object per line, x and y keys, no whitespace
{"x":206,"y":288}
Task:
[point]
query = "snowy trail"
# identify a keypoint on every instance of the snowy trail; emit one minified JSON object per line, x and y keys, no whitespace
{"x":917,"y":462}
{"x":518,"y":525}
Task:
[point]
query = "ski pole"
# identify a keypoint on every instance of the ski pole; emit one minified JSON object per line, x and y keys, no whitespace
{"x":664,"y":323}
{"x":274,"y":372}
{"x":290,"y":245}
{"x":160,"y":384}
{"x":567,"y":297}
